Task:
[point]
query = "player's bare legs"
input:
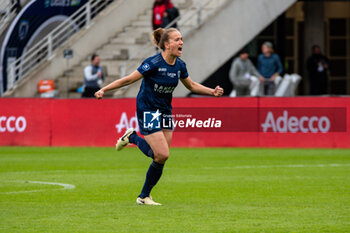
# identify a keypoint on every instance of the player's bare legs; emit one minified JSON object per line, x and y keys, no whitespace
{"x":159,"y":145}
{"x":168,"y":135}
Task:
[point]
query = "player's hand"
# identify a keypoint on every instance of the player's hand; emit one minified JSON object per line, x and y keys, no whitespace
{"x":261,"y":79}
{"x":99,"y":94}
{"x":218,"y":91}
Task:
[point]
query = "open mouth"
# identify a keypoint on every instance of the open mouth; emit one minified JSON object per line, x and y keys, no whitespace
{"x":180,"y":49}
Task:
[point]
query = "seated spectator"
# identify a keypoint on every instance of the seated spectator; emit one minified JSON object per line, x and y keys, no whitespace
{"x":270,"y":67}
{"x":317,"y":66}
{"x":159,"y":8}
{"x":244,"y":76}
{"x":93,"y":77}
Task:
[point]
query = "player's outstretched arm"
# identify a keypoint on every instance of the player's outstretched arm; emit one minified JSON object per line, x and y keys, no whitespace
{"x":200,"y":89}
{"x":127,"y":80}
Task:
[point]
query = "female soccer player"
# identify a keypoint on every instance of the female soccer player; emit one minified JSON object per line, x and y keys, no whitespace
{"x":161,"y":74}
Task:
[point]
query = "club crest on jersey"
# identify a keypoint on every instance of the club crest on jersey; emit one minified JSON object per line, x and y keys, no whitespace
{"x":145,"y":67}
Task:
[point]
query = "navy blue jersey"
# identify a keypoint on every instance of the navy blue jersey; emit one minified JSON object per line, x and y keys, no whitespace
{"x":159,"y":81}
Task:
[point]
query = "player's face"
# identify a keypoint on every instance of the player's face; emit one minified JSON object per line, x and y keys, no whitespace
{"x":175,"y":43}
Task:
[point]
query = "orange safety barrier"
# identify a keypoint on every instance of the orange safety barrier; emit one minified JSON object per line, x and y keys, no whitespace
{"x":46,"y":86}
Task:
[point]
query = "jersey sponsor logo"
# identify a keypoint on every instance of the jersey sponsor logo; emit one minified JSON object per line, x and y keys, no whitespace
{"x":171,"y":75}
{"x":162,"y":71}
{"x":13,"y":124}
{"x":163,"y":89}
{"x":293,"y":124}
{"x":151,"y":119}
{"x":146,"y":67}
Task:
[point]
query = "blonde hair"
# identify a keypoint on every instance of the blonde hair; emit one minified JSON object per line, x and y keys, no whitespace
{"x":161,"y":35}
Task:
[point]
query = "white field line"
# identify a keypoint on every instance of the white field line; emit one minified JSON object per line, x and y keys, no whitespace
{"x":34,"y":172}
{"x":65,"y":186}
{"x":61,"y":171}
{"x":282,"y":166}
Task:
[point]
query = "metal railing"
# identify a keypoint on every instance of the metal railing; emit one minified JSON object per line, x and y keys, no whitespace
{"x":44,"y":49}
{"x":8,"y":11}
{"x":192,"y":18}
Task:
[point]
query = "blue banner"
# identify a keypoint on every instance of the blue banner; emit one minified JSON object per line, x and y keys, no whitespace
{"x":34,"y":21}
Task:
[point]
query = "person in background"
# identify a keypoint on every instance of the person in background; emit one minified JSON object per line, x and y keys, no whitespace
{"x":169,"y":16}
{"x":159,"y":8}
{"x":93,"y":77}
{"x":317,"y":66}
{"x":244,"y":76}
{"x":270,"y":67}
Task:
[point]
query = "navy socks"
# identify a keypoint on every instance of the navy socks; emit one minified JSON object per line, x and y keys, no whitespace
{"x":153,"y":175}
{"x":142,"y":145}
{"x":155,"y":170}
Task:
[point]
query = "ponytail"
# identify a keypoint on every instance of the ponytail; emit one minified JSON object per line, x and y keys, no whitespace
{"x":157,"y":35}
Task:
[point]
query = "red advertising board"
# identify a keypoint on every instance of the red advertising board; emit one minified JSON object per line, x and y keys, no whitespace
{"x":25,"y":122}
{"x":92,"y":122}
{"x":336,"y":109}
{"x":199,"y":122}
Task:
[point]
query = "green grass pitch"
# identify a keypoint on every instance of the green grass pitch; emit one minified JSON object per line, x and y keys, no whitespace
{"x":202,"y":190}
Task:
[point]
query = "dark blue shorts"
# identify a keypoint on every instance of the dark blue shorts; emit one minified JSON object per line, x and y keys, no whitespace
{"x":151,"y":121}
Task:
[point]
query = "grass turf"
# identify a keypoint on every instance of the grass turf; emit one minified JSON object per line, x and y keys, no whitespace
{"x":202,"y":190}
